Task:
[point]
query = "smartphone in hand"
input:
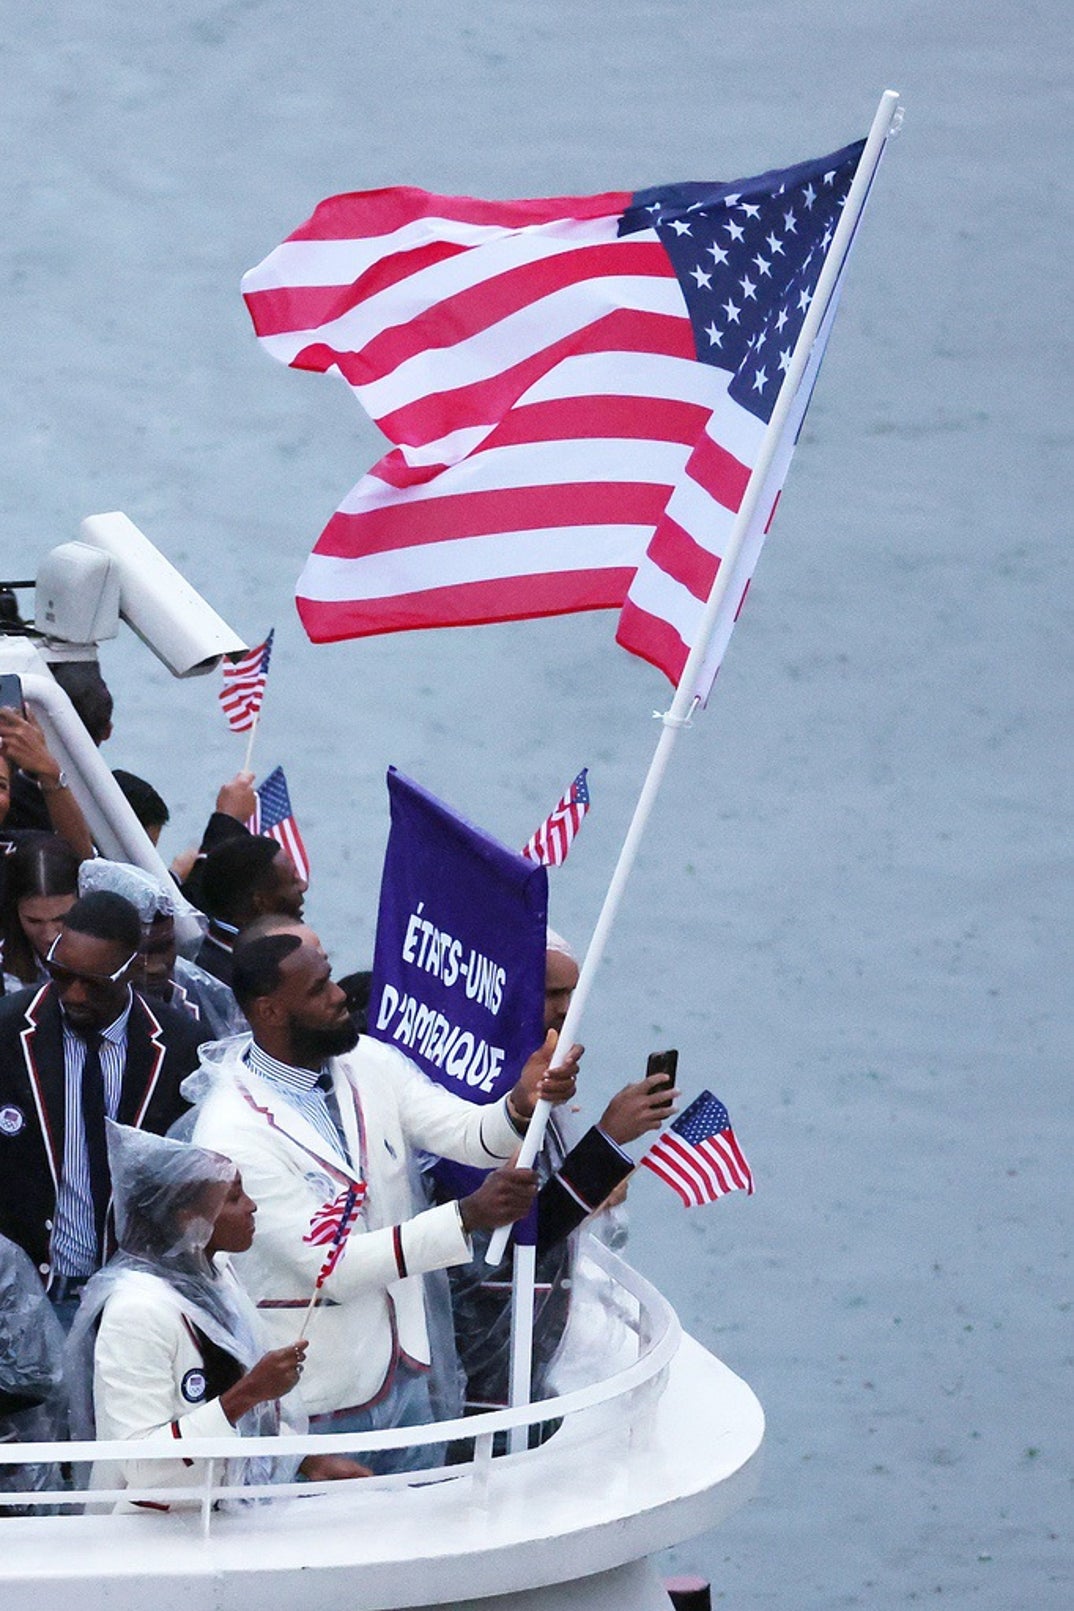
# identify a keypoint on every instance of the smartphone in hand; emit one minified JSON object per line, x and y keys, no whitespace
{"x":665,"y":1064}
{"x":11,"y":693}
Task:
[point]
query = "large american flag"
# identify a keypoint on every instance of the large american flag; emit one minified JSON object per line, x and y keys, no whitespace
{"x":274,"y":818}
{"x":698,"y":1156}
{"x":244,"y":685}
{"x":548,"y":845}
{"x":577,"y":388}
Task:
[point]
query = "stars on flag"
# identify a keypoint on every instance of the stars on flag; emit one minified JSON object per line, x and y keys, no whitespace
{"x":550,"y":843}
{"x":766,"y":245}
{"x":698,"y":1155}
{"x":274,"y":819}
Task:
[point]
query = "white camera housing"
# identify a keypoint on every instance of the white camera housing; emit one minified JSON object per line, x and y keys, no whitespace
{"x":169,"y":615}
{"x":76,"y":595}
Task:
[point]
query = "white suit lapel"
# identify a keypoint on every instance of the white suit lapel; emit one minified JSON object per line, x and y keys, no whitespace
{"x":289,"y":1121}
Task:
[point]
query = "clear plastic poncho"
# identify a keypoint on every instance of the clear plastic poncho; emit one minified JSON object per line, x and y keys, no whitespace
{"x":215,"y":1004}
{"x":33,"y":1407}
{"x":223,"y":1067}
{"x":166,"y":1196}
{"x":151,"y":897}
{"x":208,"y":999}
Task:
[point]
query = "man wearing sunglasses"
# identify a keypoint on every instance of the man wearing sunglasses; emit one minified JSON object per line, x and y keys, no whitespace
{"x":83,"y":1047}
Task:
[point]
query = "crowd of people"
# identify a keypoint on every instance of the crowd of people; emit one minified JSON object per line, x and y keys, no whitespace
{"x":225,"y":1193}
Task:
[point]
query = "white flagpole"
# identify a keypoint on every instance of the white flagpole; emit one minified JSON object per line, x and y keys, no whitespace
{"x":304,"y":1328}
{"x":523,"y":1288}
{"x":250,"y":741}
{"x":686,"y":697}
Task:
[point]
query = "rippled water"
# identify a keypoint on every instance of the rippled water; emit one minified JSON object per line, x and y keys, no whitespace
{"x":846,"y":913}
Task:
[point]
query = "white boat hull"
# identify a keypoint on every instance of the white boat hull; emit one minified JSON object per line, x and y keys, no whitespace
{"x":578,"y":1516}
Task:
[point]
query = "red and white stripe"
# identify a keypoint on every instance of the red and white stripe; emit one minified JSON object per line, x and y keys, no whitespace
{"x":700,"y":1174}
{"x":549,"y":844}
{"x":538,"y":375}
{"x":662,"y":615}
{"x":331,"y":1226}
{"x":244,"y":687}
{"x":327,"y":1222}
{"x":286,"y":834}
{"x":559,"y":445}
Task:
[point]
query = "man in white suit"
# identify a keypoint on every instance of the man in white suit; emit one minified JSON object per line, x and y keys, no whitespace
{"x":321,"y":1124}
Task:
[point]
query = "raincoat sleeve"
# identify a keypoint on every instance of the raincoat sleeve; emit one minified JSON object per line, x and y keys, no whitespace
{"x":31,"y":1343}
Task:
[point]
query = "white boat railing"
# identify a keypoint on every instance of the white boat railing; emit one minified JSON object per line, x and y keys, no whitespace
{"x":654,"y":1324}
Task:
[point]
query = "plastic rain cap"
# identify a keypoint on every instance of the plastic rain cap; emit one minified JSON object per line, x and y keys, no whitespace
{"x":151,"y":897}
{"x":167,"y":1194}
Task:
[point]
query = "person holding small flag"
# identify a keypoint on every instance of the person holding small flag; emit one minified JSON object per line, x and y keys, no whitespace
{"x":166,"y":1341}
{"x":309,"y":1112}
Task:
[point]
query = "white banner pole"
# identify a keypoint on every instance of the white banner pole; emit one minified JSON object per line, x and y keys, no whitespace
{"x":686,"y":697}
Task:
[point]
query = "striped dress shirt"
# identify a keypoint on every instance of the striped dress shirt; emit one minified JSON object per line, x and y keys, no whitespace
{"x":74,"y":1238}
{"x":304,"y":1090}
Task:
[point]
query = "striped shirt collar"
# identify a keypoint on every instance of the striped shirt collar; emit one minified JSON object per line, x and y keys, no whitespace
{"x":302,"y":1080}
{"x":116,"y":1031}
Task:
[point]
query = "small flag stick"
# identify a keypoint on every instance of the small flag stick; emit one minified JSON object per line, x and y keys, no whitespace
{"x":250,"y":742}
{"x":332,"y":1258}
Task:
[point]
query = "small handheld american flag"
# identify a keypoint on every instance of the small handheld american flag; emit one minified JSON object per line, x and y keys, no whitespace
{"x":274,"y":818}
{"x":244,"y":685}
{"x":332,"y":1224}
{"x":698,"y":1156}
{"x":552,"y":840}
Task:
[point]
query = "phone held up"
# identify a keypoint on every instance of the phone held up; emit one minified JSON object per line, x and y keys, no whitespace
{"x":11,"y":693}
{"x":666,"y":1064}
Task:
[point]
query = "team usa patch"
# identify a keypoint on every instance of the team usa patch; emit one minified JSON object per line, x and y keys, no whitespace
{"x":193,"y":1386}
{"x":12,"y":1120}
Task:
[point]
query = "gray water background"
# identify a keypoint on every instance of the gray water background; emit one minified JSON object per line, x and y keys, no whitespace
{"x":851,"y":910}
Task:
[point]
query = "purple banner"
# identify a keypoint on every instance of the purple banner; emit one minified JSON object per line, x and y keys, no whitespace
{"x":458,"y":969}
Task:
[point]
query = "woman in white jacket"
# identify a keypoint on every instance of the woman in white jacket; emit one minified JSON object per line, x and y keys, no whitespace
{"x":166,"y":1342}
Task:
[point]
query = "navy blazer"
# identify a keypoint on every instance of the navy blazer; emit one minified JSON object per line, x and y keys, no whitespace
{"x":162,"y":1049}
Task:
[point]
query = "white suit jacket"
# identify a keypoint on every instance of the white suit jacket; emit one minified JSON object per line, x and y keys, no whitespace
{"x":371,"y":1310}
{"x":149,"y":1380}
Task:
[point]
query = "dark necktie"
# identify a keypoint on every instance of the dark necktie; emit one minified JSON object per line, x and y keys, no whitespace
{"x":93,"y":1127}
{"x":325,"y":1085}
